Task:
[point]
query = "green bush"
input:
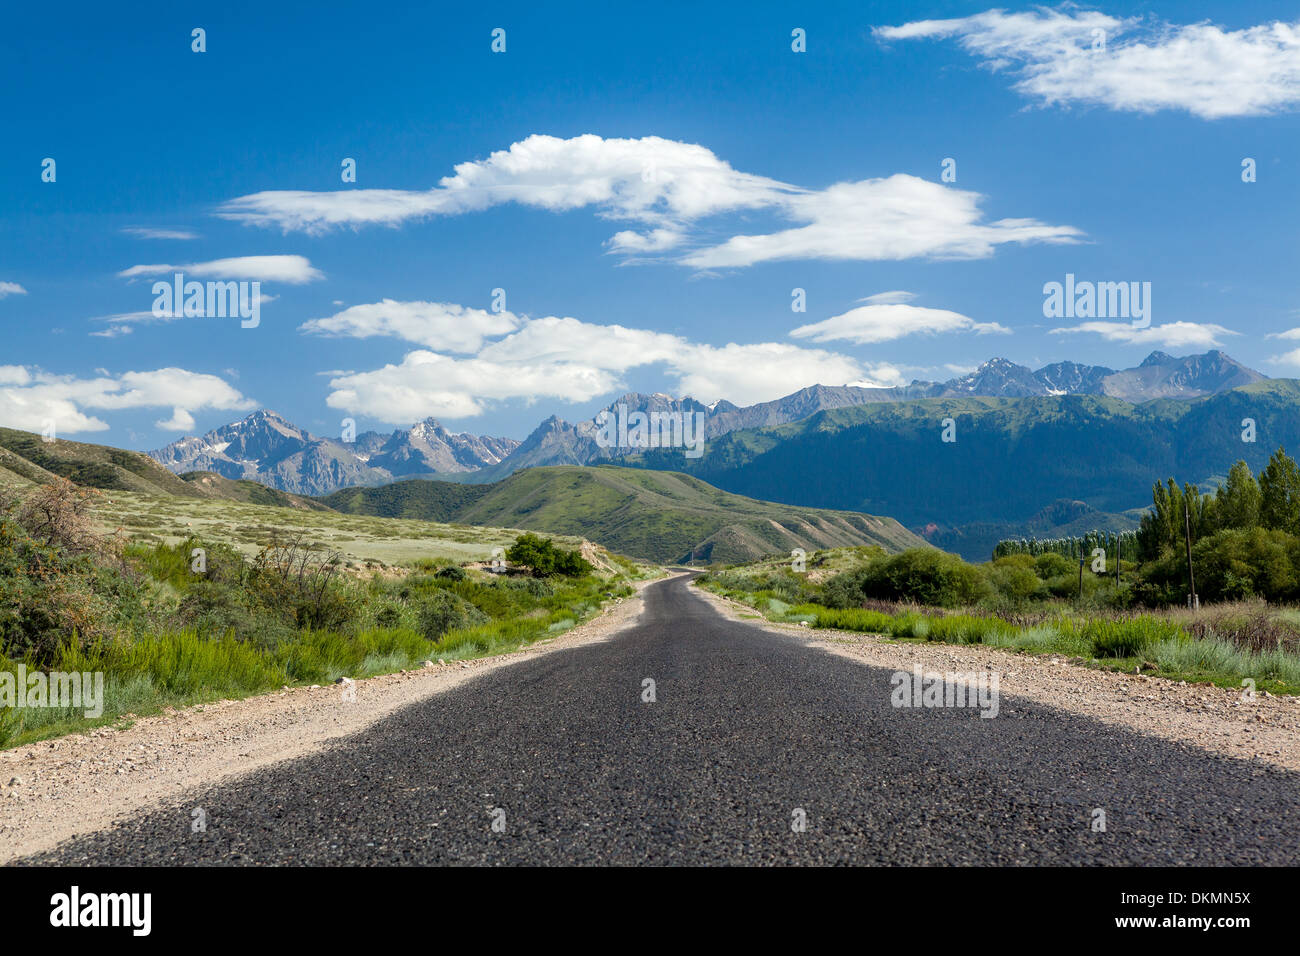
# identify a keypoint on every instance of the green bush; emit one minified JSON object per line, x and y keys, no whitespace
{"x":444,"y":611}
{"x":924,"y":576}
{"x":542,"y":557}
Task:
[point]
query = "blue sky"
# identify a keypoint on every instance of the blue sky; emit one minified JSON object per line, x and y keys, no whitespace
{"x":647,"y":185}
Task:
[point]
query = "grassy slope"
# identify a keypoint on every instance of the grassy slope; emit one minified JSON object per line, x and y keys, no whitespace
{"x":666,"y":516}
{"x":429,"y":500}
{"x":212,"y":485}
{"x":248,"y":526}
{"x":95,"y":466}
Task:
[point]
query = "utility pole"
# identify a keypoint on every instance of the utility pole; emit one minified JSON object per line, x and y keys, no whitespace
{"x":1192,"y":601}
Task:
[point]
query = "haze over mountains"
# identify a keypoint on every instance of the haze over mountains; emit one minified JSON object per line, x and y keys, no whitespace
{"x":265,"y":447}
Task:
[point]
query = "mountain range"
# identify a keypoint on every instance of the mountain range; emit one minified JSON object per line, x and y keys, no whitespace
{"x":265,"y":447}
{"x":657,"y":516}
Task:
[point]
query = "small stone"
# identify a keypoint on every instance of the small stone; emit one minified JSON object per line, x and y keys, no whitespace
{"x":15,"y":781}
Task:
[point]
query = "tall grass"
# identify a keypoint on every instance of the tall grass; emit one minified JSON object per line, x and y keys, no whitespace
{"x":1224,"y":644}
{"x":149,"y":671}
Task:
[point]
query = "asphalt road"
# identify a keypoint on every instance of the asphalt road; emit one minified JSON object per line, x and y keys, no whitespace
{"x":561,"y":753}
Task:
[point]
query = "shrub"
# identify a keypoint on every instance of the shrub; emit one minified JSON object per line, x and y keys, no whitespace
{"x":443,"y":611}
{"x":924,"y":576}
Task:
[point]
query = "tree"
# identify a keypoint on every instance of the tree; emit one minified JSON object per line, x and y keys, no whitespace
{"x":1279,"y":493}
{"x":542,"y":557}
{"x":1237,"y":500}
{"x":1164,"y":526}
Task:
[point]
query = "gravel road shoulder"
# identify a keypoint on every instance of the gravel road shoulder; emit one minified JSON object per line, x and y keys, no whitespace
{"x":53,"y":790}
{"x":1216,"y":719}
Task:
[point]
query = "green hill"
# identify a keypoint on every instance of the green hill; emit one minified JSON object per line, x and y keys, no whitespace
{"x":418,"y":498}
{"x":95,"y":466}
{"x":662,"y":516}
{"x":212,"y":485}
{"x":26,"y":459}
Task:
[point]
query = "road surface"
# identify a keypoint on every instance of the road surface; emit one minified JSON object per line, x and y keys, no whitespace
{"x":558,"y":759}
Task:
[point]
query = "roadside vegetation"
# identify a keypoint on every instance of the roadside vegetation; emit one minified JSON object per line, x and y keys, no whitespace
{"x":1056,"y":597}
{"x":171,"y":624}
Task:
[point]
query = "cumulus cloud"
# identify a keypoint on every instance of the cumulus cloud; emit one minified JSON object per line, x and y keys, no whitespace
{"x":667,"y":188}
{"x":32,"y":399}
{"x":746,"y":374}
{"x":570,"y":360}
{"x":439,"y":325}
{"x":294,"y":270}
{"x":11,"y":288}
{"x":1067,"y":56}
{"x":1170,"y":335}
{"x":890,"y":320}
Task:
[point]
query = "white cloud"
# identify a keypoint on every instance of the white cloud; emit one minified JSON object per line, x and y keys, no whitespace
{"x":426,"y":383}
{"x":1170,"y":335}
{"x":181,"y":421}
{"x":881,"y":375}
{"x":573,"y":361}
{"x":31,"y":398}
{"x":439,"y":325}
{"x":900,"y":217}
{"x":668,"y":187}
{"x":746,"y":374}
{"x":889,"y":298}
{"x":1291,"y":359}
{"x":1143,"y":65}
{"x":113,"y":332}
{"x":886,"y":322}
{"x":656,"y":240}
{"x":649,"y":179}
{"x":609,"y":347}
{"x":294,"y":270}
{"x":149,"y":232}
{"x":11,"y":288}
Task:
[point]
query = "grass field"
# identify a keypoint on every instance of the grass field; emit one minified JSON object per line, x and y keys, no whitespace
{"x":249,"y":527}
{"x":1224,"y":645}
